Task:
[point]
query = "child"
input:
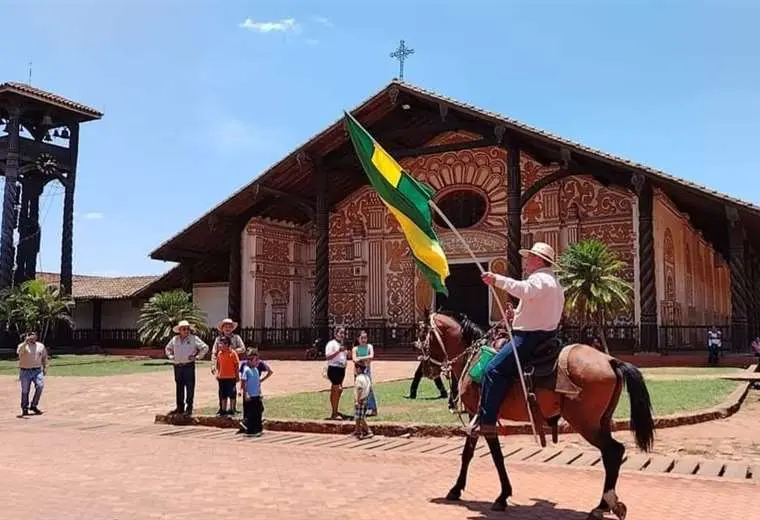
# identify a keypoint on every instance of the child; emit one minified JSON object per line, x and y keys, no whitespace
{"x":250,"y":386}
{"x":227,"y":362}
{"x":362,"y":387}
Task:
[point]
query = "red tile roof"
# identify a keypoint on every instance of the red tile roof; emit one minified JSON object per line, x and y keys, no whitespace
{"x":87,"y":287}
{"x":28,"y":91}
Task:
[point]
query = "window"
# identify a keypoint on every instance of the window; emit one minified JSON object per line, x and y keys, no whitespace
{"x":464,"y":208}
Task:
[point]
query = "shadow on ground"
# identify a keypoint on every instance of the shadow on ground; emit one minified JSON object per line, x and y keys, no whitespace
{"x":543,"y":509}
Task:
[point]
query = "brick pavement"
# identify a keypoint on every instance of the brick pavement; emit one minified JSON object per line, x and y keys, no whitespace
{"x":97,"y":476}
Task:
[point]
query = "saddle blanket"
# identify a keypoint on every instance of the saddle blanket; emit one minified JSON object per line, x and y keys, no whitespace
{"x":564,"y":383}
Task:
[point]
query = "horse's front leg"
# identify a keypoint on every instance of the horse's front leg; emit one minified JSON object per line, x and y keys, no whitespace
{"x":500,"y":504}
{"x":468,"y":452}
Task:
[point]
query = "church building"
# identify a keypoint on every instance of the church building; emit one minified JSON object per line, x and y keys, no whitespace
{"x":308,"y":244}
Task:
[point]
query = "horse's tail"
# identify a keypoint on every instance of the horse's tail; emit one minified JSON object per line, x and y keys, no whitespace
{"x":642,"y":422}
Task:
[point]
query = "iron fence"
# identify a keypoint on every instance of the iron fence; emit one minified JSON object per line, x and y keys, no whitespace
{"x":620,"y":338}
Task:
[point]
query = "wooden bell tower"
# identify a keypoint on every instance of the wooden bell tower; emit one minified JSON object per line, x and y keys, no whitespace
{"x":39,"y":143}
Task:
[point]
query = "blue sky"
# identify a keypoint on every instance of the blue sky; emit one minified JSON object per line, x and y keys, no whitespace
{"x":197,"y":102}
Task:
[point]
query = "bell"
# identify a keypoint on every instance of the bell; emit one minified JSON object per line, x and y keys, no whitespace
{"x":47,"y":137}
{"x":65,"y":133}
{"x":47,"y":120}
{"x":57,"y":134}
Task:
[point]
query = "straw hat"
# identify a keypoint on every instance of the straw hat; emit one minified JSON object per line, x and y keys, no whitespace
{"x":183,"y":323}
{"x":225,"y":321}
{"x":543,"y":251}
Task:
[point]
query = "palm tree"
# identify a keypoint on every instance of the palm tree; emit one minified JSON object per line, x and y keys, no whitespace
{"x":35,"y":305}
{"x":162,"y":311}
{"x":590,"y":273}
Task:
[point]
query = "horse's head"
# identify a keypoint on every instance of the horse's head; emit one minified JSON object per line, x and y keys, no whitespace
{"x":445,"y":339}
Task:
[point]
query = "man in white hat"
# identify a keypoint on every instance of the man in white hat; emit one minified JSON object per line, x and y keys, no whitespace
{"x":536,"y":320}
{"x":183,"y":349}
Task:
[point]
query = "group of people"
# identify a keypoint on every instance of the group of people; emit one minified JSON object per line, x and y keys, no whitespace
{"x":231,"y":363}
{"x":337,"y":356}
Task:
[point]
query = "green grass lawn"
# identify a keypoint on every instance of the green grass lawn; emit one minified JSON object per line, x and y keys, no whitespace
{"x":689,"y":371}
{"x":94,"y":365}
{"x":667,"y":396}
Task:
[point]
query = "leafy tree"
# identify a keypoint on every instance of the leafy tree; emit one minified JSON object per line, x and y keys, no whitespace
{"x":590,"y":273}
{"x":35,"y":305}
{"x":162,"y":312}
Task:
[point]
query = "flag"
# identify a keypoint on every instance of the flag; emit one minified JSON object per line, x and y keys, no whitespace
{"x":407,"y":199}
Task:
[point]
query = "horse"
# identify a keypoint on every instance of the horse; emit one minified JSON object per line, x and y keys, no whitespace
{"x":599,"y":378}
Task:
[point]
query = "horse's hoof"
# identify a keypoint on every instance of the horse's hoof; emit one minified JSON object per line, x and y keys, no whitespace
{"x":454,"y":495}
{"x":499,"y":505}
{"x":620,"y":510}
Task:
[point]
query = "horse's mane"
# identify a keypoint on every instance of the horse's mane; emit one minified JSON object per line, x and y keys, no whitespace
{"x":471,"y":331}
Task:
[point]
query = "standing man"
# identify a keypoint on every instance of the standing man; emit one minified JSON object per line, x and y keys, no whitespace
{"x":32,"y":364}
{"x":183,"y":349}
{"x":535,"y":321}
{"x":714,"y":344}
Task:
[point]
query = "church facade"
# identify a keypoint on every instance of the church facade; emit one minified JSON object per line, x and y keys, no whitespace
{"x":308,"y":244}
{"x":373,"y":280}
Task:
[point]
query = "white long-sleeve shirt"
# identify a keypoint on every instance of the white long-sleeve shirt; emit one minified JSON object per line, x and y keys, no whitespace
{"x":542,"y":300}
{"x":180,"y":351}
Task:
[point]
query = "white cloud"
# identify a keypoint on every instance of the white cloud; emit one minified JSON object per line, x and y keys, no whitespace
{"x":324,"y":21}
{"x":93,"y":215}
{"x":288,"y":24}
{"x":312,"y":41}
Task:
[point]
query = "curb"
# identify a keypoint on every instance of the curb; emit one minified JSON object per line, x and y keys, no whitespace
{"x":394,"y":429}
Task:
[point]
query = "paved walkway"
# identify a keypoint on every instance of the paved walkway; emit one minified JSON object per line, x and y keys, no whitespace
{"x":161,"y":474}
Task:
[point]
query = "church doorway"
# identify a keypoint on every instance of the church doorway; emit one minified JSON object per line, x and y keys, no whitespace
{"x":467,"y":293}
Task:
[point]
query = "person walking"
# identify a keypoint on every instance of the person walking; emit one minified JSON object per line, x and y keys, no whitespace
{"x":183,"y":349}
{"x":32,"y":364}
{"x":535,"y":321}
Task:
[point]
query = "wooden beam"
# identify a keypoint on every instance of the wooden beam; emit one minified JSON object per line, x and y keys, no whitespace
{"x":304,"y":204}
{"x":196,"y":254}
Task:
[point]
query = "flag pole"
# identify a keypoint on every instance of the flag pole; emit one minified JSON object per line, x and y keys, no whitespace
{"x":501,"y":309}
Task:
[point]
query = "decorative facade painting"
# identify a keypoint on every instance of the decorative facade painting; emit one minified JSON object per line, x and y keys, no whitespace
{"x":373,"y":280}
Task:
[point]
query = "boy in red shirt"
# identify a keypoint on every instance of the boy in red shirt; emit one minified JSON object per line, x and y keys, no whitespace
{"x":227,"y":362}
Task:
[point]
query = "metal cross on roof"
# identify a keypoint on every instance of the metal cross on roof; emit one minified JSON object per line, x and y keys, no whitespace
{"x":401,"y":54}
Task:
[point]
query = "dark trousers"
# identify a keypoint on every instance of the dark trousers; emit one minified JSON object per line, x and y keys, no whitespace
{"x":502,"y":370}
{"x":184,"y":380}
{"x":253,"y":410}
{"x":438,"y":383}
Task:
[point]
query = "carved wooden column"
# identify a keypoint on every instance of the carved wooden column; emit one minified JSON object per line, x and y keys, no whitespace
{"x":648,"y":336}
{"x":322,"y":265}
{"x":29,"y":230}
{"x":67,"y":235}
{"x":234,"y":289}
{"x":738,"y":275}
{"x":514,"y":189}
{"x":9,"y":201}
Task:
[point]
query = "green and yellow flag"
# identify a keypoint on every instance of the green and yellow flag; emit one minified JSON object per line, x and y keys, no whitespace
{"x":405,"y":197}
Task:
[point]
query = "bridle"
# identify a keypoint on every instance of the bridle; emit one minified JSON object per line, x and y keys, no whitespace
{"x":431,"y":327}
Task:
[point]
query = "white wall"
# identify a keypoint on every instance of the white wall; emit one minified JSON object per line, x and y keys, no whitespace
{"x":115,"y":314}
{"x":212,"y":298}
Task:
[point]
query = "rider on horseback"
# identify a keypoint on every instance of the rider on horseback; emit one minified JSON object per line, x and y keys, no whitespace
{"x":536,"y":320}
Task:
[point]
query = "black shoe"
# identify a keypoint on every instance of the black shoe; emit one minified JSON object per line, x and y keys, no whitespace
{"x":410,"y":397}
{"x":189,"y":412}
{"x":35,"y":410}
{"x":220,"y":413}
{"x":233,"y":412}
{"x":176,"y":411}
{"x":24,"y":412}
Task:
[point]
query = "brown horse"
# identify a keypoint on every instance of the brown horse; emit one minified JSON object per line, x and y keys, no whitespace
{"x":600,"y":379}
